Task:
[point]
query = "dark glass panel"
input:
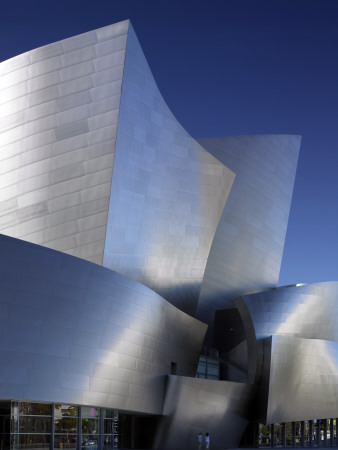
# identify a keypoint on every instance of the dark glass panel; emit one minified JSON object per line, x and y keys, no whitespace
{"x":91,"y":426}
{"x":35,"y":409}
{"x":108,"y":426}
{"x":5,"y":441}
{"x":87,"y":411}
{"x":34,"y":441}
{"x":29,"y":424}
{"x":64,"y":441}
{"x":5,"y":424}
{"x":5,"y":408}
{"x":111,"y":441}
{"x":65,"y":425}
{"x":66,"y":411}
{"x":111,"y":414}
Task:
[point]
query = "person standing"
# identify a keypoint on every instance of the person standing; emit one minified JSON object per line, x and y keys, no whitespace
{"x":199,"y":441}
{"x":207,"y":440}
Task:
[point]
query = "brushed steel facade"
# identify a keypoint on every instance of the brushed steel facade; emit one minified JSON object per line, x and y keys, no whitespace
{"x":247,"y":249}
{"x":124,"y":241}
{"x":194,"y":406}
{"x":167,"y":194}
{"x":65,"y":124}
{"x":59,"y":114}
{"x":302,"y":379}
{"x":75,"y":332}
{"x":292,"y":343}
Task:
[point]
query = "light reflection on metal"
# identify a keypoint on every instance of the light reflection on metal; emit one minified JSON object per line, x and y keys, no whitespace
{"x":247,"y":249}
{"x":292,"y":336}
{"x":83,"y":334}
{"x":194,"y":405}
{"x":105,"y":172}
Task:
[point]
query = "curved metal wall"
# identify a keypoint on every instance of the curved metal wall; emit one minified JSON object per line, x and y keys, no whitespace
{"x":193,"y":406}
{"x":59,"y":113}
{"x":302,"y":378}
{"x":167,"y":194}
{"x":75,"y":332}
{"x":62,"y":113}
{"x":308,"y":311}
{"x":247,"y":249}
{"x":292,"y":335}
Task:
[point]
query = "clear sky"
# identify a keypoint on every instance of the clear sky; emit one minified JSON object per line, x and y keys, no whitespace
{"x":228,"y":67}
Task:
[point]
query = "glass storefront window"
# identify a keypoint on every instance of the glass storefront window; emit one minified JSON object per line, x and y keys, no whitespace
{"x":298,"y":433}
{"x":91,"y":426}
{"x":278,"y":434}
{"x":35,"y":409}
{"x":65,"y":410}
{"x":306,"y":434}
{"x":65,"y":442}
{"x":90,"y":442}
{"x":288,"y":434}
{"x":264,"y":435}
{"x":87,"y":411}
{"x":111,"y":414}
{"x":32,"y":424}
{"x":34,"y":441}
{"x":315,"y":433}
{"x":66,"y":425}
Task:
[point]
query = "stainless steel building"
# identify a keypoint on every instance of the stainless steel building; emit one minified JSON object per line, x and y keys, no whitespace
{"x":138,"y":268}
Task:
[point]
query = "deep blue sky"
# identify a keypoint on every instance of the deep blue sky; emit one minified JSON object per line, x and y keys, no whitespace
{"x":229,"y":67}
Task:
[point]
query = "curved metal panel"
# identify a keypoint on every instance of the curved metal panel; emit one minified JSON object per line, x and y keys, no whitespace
{"x":75,"y":332}
{"x":167,"y":193}
{"x":62,"y":105}
{"x":309,"y":311}
{"x":247,"y":249}
{"x":194,"y":406}
{"x":302,"y":379}
{"x":292,"y":336}
{"x":59,"y":112}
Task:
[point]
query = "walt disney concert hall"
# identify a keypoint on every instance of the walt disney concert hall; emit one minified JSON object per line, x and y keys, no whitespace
{"x":139,"y":268}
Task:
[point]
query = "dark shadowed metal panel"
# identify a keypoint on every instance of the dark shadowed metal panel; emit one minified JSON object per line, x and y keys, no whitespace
{"x":76,"y":332}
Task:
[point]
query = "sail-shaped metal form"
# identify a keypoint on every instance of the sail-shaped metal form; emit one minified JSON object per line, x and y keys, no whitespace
{"x":101,"y":169}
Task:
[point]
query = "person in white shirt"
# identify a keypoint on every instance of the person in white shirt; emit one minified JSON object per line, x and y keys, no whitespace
{"x":207,"y":440}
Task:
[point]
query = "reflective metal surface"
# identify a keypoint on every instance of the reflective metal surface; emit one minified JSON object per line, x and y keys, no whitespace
{"x":59,"y":113}
{"x":167,"y":192}
{"x":62,"y":114}
{"x":309,"y":311}
{"x":93,"y":164}
{"x":75,"y":332}
{"x":292,"y":337}
{"x":194,"y":406}
{"x":247,"y":249}
{"x":302,"y":379}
